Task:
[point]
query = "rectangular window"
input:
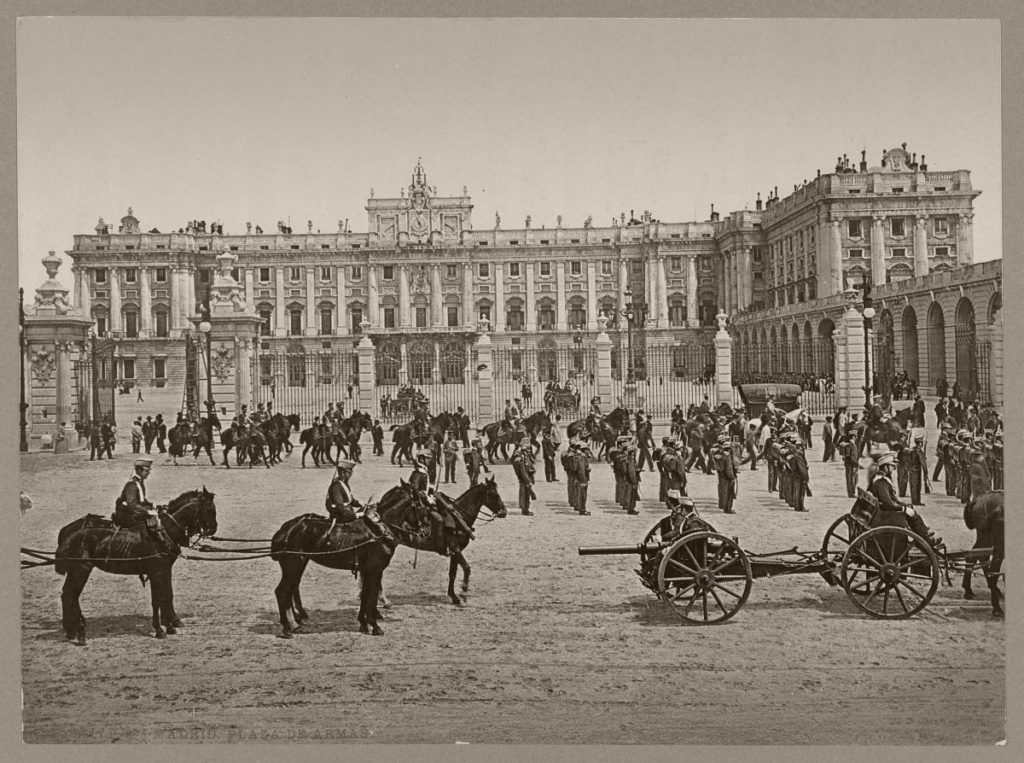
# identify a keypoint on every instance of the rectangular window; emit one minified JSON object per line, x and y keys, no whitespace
{"x":204,"y":276}
{"x":389,"y":317}
{"x":264,"y":275}
{"x":546,"y":319}
{"x":325,"y":246}
{"x":606,"y":267}
{"x":545,"y":269}
{"x":130,"y":276}
{"x":451,"y":271}
{"x":942,"y":251}
{"x":357,"y":273}
{"x":161,"y":275}
{"x":513,"y":269}
{"x":638,"y":267}
{"x":421,"y":317}
{"x":485,"y":270}
{"x":235,"y":274}
{"x":294,"y":274}
{"x":129,"y":248}
{"x":856,"y":252}
{"x":159,"y":368}
{"x":577,"y":317}
{"x":898,"y":228}
{"x":899,"y":252}
{"x":854,"y":228}
{"x":233,"y":248}
{"x":295,"y":323}
{"x":453,"y":316}
{"x":545,"y":241}
{"x":485,"y":313}
{"x":101,"y":325}
{"x":161,"y":323}
{"x":941,"y":226}
{"x":389,"y":272}
{"x":326,"y":322}
{"x":676,"y":314}
{"x":325,"y":272}
{"x":514,"y":319}
{"x":897,"y":190}
{"x":575,"y":268}
{"x":264,"y":248}
{"x":265,"y":322}
{"x":357,"y":318}
{"x":675,"y":263}
{"x":101,"y":275}
{"x":513,"y":243}
{"x":131,"y":325}
{"x":574,"y":241}
{"x":295,"y":246}
{"x":128,"y":368}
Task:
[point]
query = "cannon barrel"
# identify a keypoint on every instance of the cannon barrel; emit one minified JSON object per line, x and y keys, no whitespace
{"x":636,"y":548}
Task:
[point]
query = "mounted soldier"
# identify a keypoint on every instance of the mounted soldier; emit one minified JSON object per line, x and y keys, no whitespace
{"x":133,"y":509}
{"x":342,"y":505}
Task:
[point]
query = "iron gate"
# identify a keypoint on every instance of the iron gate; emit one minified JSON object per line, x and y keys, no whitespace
{"x":525,"y":373}
{"x":665,"y":376}
{"x":305,"y":382}
{"x":95,"y":382}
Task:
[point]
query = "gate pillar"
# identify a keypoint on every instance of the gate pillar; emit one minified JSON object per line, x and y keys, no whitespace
{"x":723,"y":362}
{"x":53,"y":338}
{"x":234,"y":326}
{"x":852,"y":366}
{"x":995,"y":366}
{"x":367,"y":372}
{"x":604,"y":362}
{"x":485,"y":377}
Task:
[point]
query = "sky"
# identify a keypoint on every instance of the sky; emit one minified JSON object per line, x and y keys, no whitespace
{"x":263,"y":120}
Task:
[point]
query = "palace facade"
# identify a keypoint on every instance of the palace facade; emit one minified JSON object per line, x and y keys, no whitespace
{"x":423,"y":275}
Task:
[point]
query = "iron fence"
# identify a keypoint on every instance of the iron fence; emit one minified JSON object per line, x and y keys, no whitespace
{"x":95,"y":379}
{"x":526,"y":374}
{"x":304,"y":383}
{"x":664,"y":376}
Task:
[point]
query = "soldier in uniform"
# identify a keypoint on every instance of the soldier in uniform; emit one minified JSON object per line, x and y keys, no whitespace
{"x":966,"y":459}
{"x":801,"y":486}
{"x":952,"y":463}
{"x":340,"y":503}
{"x":902,"y":463}
{"x":847,"y":447}
{"x":132,"y":507}
{"x":377,"y":432}
{"x":980,"y":476}
{"x":581,"y":476}
{"x":420,"y":478}
{"x":451,"y":455}
{"x":160,"y":429}
{"x":522,"y":463}
{"x":630,"y":476}
{"x":721,"y":455}
{"x":474,"y":458}
{"x":569,"y":467}
{"x":547,"y":447}
{"x":673,"y":468}
{"x":996,"y":463}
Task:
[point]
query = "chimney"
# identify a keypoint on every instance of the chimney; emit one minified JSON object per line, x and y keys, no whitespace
{"x":913,"y":161}
{"x":864,"y":161}
{"x":924,"y":167}
{"x":819,"y":173}
{"x":714,"y":214}
{"x":757,"y":204}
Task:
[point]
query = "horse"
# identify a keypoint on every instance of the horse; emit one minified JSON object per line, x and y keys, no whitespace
{"x":405,"y":436}
{"x":350,"y":430}
{"x":882,"y":431}
{"x":985,"y":517}
{"x":393,"y":508}
{"x":346,"y":546}
{"x":204,"y":440}
{"x":94,"y":542}
{"x":283,"y":426}
{"x":532,"y":425}
{"x":319,"y":444}
{"x":602,"y":433}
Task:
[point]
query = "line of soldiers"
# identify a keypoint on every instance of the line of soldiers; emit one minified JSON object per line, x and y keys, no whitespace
{"x":786,"y":460}
{"x":627,"y":475}
{"x":576,"y":464}
{"x":973,"y":465}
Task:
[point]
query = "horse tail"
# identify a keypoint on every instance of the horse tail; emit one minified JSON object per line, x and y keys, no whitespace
{"x":393,"y":427}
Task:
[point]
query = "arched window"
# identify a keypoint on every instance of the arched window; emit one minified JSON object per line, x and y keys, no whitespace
{"x":514,"y":315}
{"x":326,"y":319}
{"x":421,"y":362}
{"x":676,"y":310}
{"x":911,"y":357}
{"x":936,"y":344}
{"x":453,"y":363}
{"x":577,"y":313}
{"x":965,"y":337}
{"x":547,"y":360}
{"x":546,"y":315}
{"x":296,"y":355}
{"x":295,"y":320}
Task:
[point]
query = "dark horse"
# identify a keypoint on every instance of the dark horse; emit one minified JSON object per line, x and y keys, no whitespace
{"x":94,"y":542}
{"x":404,"y":436}
{"x":394,"y":508}
{"x":532,"y":425}
{"x":876,"y":430}
{"x":350,"y":430}
{"x":985,"y":517}
{"x":601,"y":433}
{"x":347,"y":546}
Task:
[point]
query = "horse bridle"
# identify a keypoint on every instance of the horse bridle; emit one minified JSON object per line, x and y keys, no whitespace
{"x":200,"y":534}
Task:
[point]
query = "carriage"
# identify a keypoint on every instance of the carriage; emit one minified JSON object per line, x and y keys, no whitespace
{"x":755,"y":397}
{"x":886,"y":570}
{"x":564,"y":401}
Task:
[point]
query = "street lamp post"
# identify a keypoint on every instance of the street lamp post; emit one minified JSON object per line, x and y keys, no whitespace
{"x":869,"y":314}
{"x":23,"y":425}
{"x":627,"y":313}
{"x":204,"y":329}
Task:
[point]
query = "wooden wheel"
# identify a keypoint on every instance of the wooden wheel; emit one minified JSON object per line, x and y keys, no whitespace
{"x":648,"y":538}
{"x":838,"y":537}
{"x":705,"y":578}
{"x":890,"y":572}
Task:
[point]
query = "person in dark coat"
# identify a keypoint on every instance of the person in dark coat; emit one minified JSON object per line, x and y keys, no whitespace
{"x":340,"y":503}
{"x":721,"y":455}
{"x":884,"y":491}
{"x":918,"y":413}
{"x":133,"y":508}
{"x":161,"y":433}
{"x":630,"y":477}
{"x":462,"y":425}
{"x":581,"y":476}
{"x":377,"y":433}
{"x":828,"y":437}
{"x":547,"y":447}
{"x":644,"y":441}
{"x":107,"y":440}
{"x":474,"y":459}
{"x":569,"y":468}
{"x":522,"y":464}
{"x":148,"y":433}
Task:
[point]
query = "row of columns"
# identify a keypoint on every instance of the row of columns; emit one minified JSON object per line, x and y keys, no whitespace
{"x":736,"y":290}
{"x":180,"y":284}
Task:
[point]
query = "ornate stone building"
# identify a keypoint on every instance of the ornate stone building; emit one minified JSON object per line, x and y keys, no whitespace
{"x":421,"y":278}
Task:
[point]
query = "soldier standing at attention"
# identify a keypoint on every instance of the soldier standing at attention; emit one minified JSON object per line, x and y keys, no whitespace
{"x":522,"y":463}
{"x":569,"y":467}
{"x":451,"y":456}
{"x":848,"y":450}
{"x":581,"y":476}
{"x":377,"y":432}
{"x":547,"y":448}
{"x":722,"y":457}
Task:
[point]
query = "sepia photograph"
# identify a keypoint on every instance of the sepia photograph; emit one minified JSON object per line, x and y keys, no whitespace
{"x":517,"y":381}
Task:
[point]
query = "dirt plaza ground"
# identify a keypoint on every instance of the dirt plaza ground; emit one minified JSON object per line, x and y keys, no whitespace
{"x":551,"y":647}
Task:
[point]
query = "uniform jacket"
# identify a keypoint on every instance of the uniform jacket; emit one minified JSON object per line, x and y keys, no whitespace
{"x":132,"y":506}
{"x":883,"y":490}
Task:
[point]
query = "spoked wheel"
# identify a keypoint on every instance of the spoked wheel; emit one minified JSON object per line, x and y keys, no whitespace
{"x":890,"y":572}
{"x":705,"y":577}
{"x":837,"y":541}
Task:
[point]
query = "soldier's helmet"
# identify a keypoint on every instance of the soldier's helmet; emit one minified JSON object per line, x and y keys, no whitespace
{"x":888,"y":458}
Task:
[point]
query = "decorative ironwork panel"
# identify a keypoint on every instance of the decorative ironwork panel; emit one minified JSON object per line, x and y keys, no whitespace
{"x":304,"y":383}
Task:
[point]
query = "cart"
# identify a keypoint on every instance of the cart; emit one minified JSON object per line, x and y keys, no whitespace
{"x":785,"y":397}
{"x":886,"y":570}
